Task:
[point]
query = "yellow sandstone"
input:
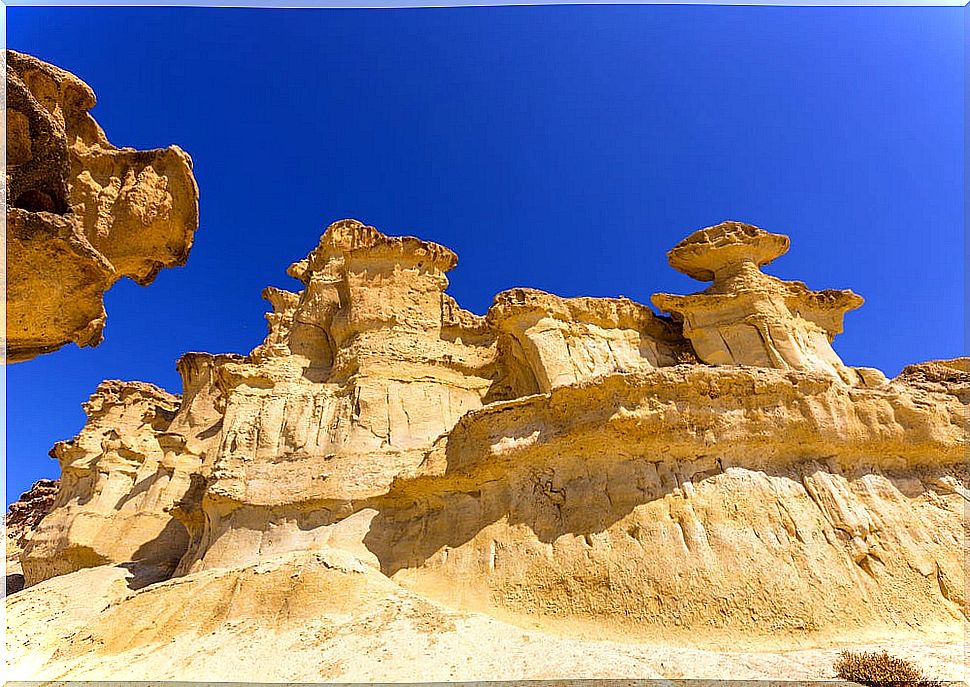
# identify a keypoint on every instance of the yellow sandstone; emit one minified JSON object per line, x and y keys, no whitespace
{"x":391,"y":487}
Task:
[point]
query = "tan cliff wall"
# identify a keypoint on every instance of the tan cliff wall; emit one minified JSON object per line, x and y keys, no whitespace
{"x":119,"y":477}
{"x":693,"y":498}
{"x":81,"y":213}
{"x":580,"y":458}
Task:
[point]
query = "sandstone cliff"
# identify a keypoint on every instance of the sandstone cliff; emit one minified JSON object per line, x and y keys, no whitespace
{"x":388,"y":460}
{"x":118,"y":479}
{"x":19,"y":523}
{"x":81,"y":213}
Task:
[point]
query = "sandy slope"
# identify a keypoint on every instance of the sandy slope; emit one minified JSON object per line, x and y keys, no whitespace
{"x":325,"y":616}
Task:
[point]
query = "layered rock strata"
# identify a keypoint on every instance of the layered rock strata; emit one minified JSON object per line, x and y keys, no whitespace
{"x":81,"y":213}
{"x":578,"y":461}
{"x":562,"y":341}
{"x":119,"y":478}
{"x":22,"y":518}
{"x":747,"y":317}
{"x":693,"y":498}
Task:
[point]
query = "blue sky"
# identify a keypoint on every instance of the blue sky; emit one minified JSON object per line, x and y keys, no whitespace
{"x":563,"y":148}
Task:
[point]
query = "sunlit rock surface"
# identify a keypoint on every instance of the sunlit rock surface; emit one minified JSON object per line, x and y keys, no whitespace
{"x":563,"y":487}
{"x":119,"y":477}
{"x":22,"y":518}
{"x":747,"y":317}
{"x":81,"y":213}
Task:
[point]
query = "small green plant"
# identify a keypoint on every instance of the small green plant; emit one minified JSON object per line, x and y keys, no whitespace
{"x":880,"y":670}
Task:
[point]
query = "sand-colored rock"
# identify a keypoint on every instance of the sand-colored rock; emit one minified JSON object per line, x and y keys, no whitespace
{"x":324,"y":616}
{"x":562,"y":341}
{"x":944,"y":376}
{"x":749,"y":318}
{"x":81,"y":213}
{"x":22,"y":518}
{"x":693,"y":501}
{"x":360,"y":373}
{"x":565,"y":487}
{"x":119,"y":478}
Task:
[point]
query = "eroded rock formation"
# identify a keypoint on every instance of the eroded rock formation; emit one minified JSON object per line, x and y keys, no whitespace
{"x":693,"y":498}
{"x":747,"y":317}
{"x":562,"y":341}
{"x":19,"y":523}
{"x":81,"y":213}
{"x":716,"y":476}
{"x":119,"y":478}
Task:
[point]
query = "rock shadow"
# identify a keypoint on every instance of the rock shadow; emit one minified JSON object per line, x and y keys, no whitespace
{"x":15,"y":583}
{"x":560,"y":494}
{"x":156,"y":560}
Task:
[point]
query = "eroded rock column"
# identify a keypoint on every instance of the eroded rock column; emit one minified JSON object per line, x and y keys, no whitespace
{"x":360,"y":373}
{"x":747,"y":317}
{"x":119,"y":478}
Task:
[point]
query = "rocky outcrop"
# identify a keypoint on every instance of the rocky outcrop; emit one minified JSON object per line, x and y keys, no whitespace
{"x":562,"y":341}
{"x":747,"y":317}
{"x":22,"y":518}
{"x":81,"y":213}
{"x":360,"y":373}
{"x":25,"y":513}
{"x":119,"y":478}
{"x":945,"y":376}
{"x":572,"y":462}
{"x":691,"y":499}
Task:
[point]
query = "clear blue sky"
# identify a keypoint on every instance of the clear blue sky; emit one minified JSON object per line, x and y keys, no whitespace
{"x":564,"y":148}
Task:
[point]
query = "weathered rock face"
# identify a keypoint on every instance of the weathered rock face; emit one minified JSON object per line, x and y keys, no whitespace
{"x":747,"y":317}
{"x":562,"y":341}
{"x":694,"y":498}
{"x":945,"y":376}
{"x":21,"y":520}
{"x":25,"y":513}
{"x":119,"y":477}
{"x":366,"y":368}
{"x":360,"y":373}
{"x":557,"y":460}
{"x":81,"y":213}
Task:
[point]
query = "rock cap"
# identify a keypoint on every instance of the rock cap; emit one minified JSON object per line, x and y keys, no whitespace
{"x":353,"y":238}
{"x":708,"y":250}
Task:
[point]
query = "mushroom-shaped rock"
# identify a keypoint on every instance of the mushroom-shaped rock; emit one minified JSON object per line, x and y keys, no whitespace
{"x":82,"y":213}
{"x":702,"y":254}
{"x":747,"y":317}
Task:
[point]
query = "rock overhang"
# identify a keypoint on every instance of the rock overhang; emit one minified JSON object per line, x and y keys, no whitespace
{"x":81,"y":213}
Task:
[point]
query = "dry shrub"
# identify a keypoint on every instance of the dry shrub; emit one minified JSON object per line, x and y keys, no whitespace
{"x":880,"y":670}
